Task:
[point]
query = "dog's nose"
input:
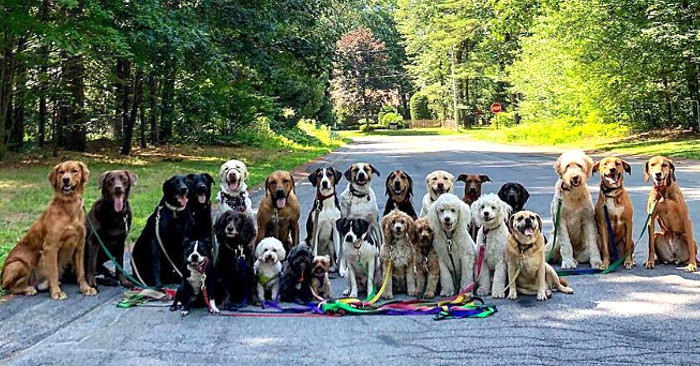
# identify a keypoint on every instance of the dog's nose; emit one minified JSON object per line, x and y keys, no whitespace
{"x":182,"y":190}
{"x":66,"y":180}
{"x":229,"y":229}
{"x":447,"y":219}
{"x":487,"y":214}
{"x":575,"y":179}
{"x":528,"y":221}
{"x":658,"y":174}
{"x":441,"y":185}
{"x":613,"y":170}
{"x":348,"y":239}
{"x":511,"y":197}
{"x":195,"y":257}
{"x":325,"y":184}
{"x":472,"y":190}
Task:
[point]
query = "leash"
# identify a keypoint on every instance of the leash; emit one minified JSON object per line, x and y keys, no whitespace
{"x":611,"y":234}
{"x":160,"y":242}
{"x":556,"y":230}
{"x":314,"y":230}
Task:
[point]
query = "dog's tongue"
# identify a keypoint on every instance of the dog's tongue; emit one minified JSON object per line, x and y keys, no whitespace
{"x":233,"y":186}
{"x":611,"y":180}
{"x":183,"y":200}
{"x":529,"y":231}
{"x":118,"y":203}
{"x":281,"y":202}
{"x":202,"y":198}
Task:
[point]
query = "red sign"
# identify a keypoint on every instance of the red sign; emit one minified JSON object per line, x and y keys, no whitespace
{"x":496,"y":107}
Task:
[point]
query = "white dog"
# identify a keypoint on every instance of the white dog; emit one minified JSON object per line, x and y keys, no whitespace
{"x":449,"y":218}
{"x":233,"y":192}
{"x":490,"y":215}
{"x":437,"y":183}
{"x":269,"y":255}
{"x":360,"y":253}
{"x":576,"y":236}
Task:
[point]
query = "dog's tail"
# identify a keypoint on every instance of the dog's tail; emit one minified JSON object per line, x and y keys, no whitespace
{"x":563,"y":282}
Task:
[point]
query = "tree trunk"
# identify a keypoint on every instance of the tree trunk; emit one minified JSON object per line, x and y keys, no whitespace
{"x":669,"y":104}
{"x":142,"y":126}
{"x":17,"y":130}
{"x":153,"y":94}
{"x":166,"y":110}
{"x":43,"y":77}
{"x":7,"y":74}
{"x":74,"y":118}
{"x":692,"y":80}
{"x":131,"y":121}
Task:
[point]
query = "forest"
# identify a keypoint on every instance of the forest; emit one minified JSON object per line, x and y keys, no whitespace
{"x":151,"y":72}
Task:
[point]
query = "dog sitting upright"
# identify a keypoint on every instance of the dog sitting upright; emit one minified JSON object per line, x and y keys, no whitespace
{"x":321,"y":219}
{"x":278,"y":213}
{"x":613,"y":197}
{"x":197,"y":277}
{"x":490,"y":214}
{"x":515,"y":195}
{"x":425,"y":259}
{"x":235,"y":234}
{"x":399,"y":188}
{"x":528,"y":273}
{"x":111,"y":217}
{"x":472,"y":186}
{"x":233,"y":191}
{"x":675,"y":242}
{"x":437,"y":183}
{"x":199,"y":203}
{"x":295,"y":280}
{"x":269,"y":255}
{"x":320,"y":282}
{"x":397,"y":249}
{"x":358,"y":200}
{"x":360,"y":253}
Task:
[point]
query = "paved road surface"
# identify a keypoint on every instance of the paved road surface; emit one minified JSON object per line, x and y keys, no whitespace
{"x":634,"y":317}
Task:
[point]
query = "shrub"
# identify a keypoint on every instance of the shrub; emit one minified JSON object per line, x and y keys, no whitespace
{"x":392,"y":118}
{"x":419,"y":107}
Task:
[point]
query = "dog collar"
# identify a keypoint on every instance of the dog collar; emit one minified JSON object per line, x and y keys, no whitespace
{"x":523,"y":247}
{"x":202,"y":267}
{"x":174,"y":208}
{"x":357,"y":194}
{"x":486,"y":230}
{"x":236,"y":203}
{"x":322,"y":198}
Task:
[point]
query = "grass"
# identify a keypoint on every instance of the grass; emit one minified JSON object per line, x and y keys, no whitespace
{"x":437,"y":131}
{"x":679,"y":147}
{"x":25,"y":190}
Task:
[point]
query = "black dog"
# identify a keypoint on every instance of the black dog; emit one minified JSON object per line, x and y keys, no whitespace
{"x":235,"y":234}
{"x":399,"y":188}
{"x":197,"y":278}
{"x":168,"y":227}
{"x":515,"y":195}
{"x":111,"y":217}
{"x":295,"y":281}
{"x":199,"y":203}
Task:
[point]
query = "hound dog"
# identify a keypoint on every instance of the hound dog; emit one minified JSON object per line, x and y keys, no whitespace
{"x":674,"y":243}
{"x":437,"y":183}
{"x":278,"y":214}
{"x":515,"y":195}
{"x":449,"y":219}
{"x":576,"y":232}
{"x":361,"y":254}
{"x":528,"y":273}
{"x":358,"y":200}
{"x":399,"y":234}
{"x":321,"y":234}
{"x":233,"y":191}
{"x":614,"y":202}
{"x":490,"y":214}
{"x":399,"y":189}
{"x":54,"y":241}
{"x":472,"y":186}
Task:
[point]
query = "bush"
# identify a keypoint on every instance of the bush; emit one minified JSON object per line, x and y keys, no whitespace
{"x":392,"y":118}
{"x":419,"y":107}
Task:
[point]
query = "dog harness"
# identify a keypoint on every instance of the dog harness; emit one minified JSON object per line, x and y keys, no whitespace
{"x":236,"y":203}
{"x":264,"y":280}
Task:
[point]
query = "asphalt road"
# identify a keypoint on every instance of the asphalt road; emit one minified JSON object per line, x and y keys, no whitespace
{"x":633,"y":316}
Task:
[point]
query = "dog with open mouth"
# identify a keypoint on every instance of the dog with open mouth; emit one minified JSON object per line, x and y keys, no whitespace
{"x":198,"y":281}
{"x":321,"y":234}
{"x":576,"y":233}
{"x":269,"y":255}
{"x":399,"y":233}
{"x":490,"y":215}
{"x":675,"y":242}
{"x":278,"y":213}
{"x":399,"y":189}
{"x":157,"y":253}
{"x":528,"y":273}
{"x":449,"y":219}
{"x":199,"y":203}
{"x":111,"y":217}
{"x":361,"y":255}
{"x":437,"y":183}
{"x":615,"y":204}
{"x":233,"y":191}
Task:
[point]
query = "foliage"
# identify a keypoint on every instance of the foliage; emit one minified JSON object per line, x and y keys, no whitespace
{"x":419,"y":107}
{"x":392,"y":118}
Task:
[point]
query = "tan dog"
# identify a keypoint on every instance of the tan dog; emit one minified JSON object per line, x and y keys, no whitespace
{"x":525,"y":252}
{"x":398,"y":231}
{"x":436,"y":183}
{"x":278,"y":214}
{"x":675,"y":242}
{"x":320,"y":283}
{"x":613,"y":195}
{"x":425,"y":259}
{"x":472,"y":186}
{"x":54,"y":241}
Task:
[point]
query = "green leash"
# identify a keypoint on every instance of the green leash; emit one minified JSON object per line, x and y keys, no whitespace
{"x":620,"y":260}
{"x":556,"y":229}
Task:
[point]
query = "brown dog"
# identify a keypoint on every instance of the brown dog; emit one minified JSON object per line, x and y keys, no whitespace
{"x":54,"y":241}
{"x":472,"y":186}
{"x":528,"y":273}
{"x":425,"y":259}
{"x":399,"y":188}
{"x":278,"y":214}
{"x":320,"y":282}
{"x":614,"y":197}
{"x":111,"y":216}
{"x":675,"y":242}
{"x":398,"y":231}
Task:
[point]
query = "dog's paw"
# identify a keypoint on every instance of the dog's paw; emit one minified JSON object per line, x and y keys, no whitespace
{"x":569,"y":263}
{"x":428,"y":294}
{"x":413,"y":293}
{"x":598,"y":264}
{"x":214,"y":309}
{"x":513,"y":295}
{"x":566,"y":290}
{"x":498,"y":295}
{"x":691,"y":267}
{"x":346,"y":292}
{"x":29,"y":291}
{"x":649,"y":264}
{"x":173,"y":307}
{"x":482,"y":291}
{"x":88,"y":291}
{"x":630,"y":263}
{"x":184,"y":312}
{"x":387,"y":295}
{"x":58,"y":295}
{"x":541,"y":295}
{"x":446,"y":292}
{"x":603,"y":265}
{"x":353,"y":294}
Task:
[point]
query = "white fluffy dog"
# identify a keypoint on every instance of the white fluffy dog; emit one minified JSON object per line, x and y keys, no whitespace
{"x":449,"y":218}
{"x":233,"y":192}
{"x":490,"y":215}
{"x":576,"y":236}
{"x":269,"y":255}
{"x":437,"y":183}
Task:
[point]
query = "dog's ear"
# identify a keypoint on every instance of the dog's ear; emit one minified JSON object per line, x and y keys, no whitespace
{"x":525,"y":193}
{"x":103,"y":178}
{"x":410,"y":185}
{"x":259,"y":252}
{"x":245,"y":171}
{"x":364,"y":225}
{"x":646,"y":171}
{"x":557,"y":166}
{"x":133,"y":178}
{"x":267,"y":184}
{"x":340,"y":224}
{"x":247,"y":232}
{"x":510,"y":223}
{"x":596,"y":167}
{"x":374,"y":170}
{"x":386,"y":226}
{"x":462,"y":178}
{"x":208,"y":178}
{"x":348,"y":174}
{"x":337,"y":176}
{"x":484,"y":178}
{"x":474,"y":207}
{"x":539,"y":222}
{"x":502,"y":192}
{"x":627,"y":167}
{"x":294,"y":186}
{"x":589,"y":165}
{"x":84,"y":172}
{"x":673,"y":170}
{"x":313,"y":177}
{"x":53,"y":175}
{"x":387,"y":188}
{"x":281,"y":252}
{"x":465,"y":213}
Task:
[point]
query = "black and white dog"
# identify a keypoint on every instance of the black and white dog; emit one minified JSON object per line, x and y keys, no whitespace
{"x":198,"y":278}
{"x":361,"y":255}
{"x":324,"y":213}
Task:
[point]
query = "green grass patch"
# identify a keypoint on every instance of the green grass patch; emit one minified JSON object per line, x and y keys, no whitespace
{"x":557,"y":133}
{"x":25,"y":190}
{"x":687,"y":146}
{"x":437,"y":131}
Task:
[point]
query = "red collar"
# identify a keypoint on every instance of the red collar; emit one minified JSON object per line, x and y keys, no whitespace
{"x":322,"y":198}
{"x":486,"y":230}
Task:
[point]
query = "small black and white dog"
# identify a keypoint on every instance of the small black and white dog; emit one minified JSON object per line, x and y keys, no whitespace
{"x":324,"y":212}
{"x":295,"y":281}
{"x":515,"y":195}
{"x":197,"y":277}
{"x":235,"y":234}
{"x":199,"y":203}
{"x":360,"y":253}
